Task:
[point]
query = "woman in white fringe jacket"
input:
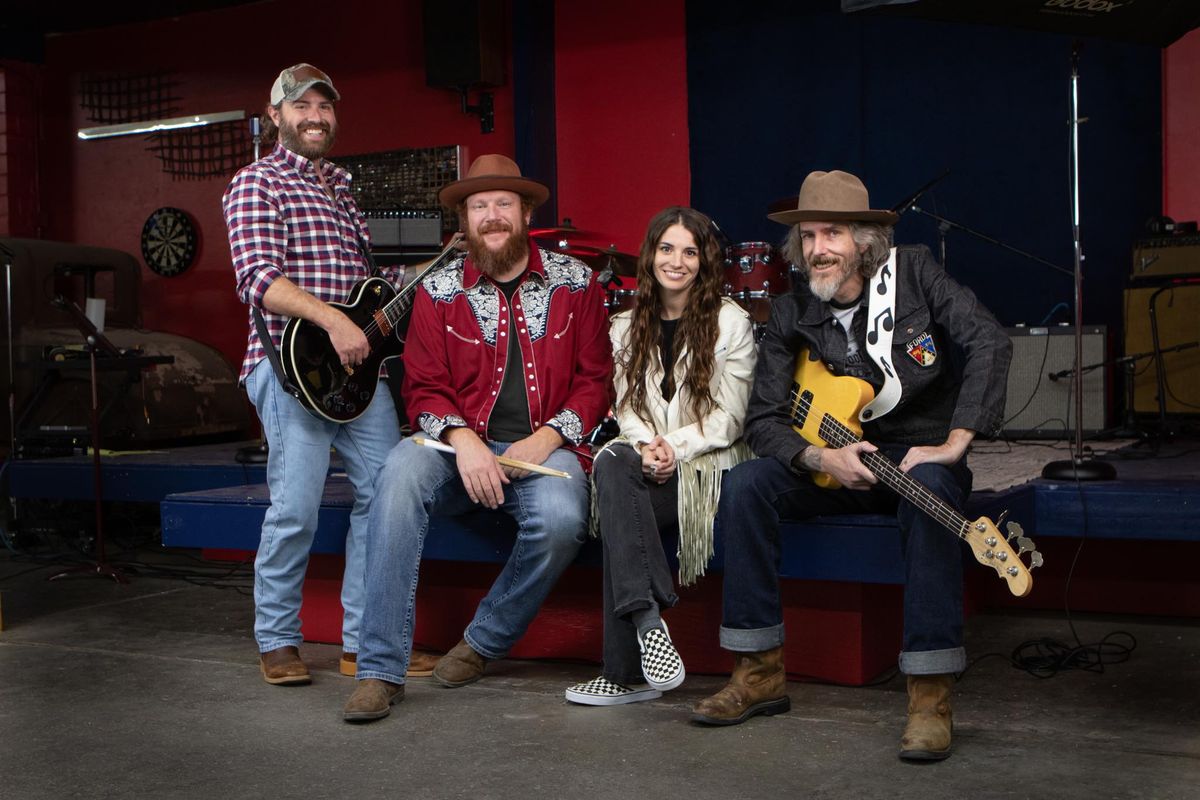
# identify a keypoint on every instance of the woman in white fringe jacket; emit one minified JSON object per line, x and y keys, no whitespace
{"x":680,"y":428}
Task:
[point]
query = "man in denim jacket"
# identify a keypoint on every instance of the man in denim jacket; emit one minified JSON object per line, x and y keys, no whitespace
{"x":941,"y":380}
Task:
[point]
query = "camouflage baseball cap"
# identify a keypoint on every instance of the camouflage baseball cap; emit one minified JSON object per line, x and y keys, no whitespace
{"x":295,"y":81}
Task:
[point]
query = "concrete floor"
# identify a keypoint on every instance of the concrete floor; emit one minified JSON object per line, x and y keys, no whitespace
{"x":152,"y":690}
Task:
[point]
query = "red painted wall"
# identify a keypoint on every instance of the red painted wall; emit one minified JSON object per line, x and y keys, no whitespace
{"x":101,"y":192}
{"x":19,"y":108}
{"x":621,"y":74}
{"x":1181,"y":128}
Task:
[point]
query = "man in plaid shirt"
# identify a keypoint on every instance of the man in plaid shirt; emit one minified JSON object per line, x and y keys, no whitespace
{"x":297,"y":238}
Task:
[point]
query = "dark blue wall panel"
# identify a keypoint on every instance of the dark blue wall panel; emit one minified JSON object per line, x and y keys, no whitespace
{"x":777,"y":89}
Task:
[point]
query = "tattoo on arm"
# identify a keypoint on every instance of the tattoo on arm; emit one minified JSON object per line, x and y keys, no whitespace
{"x":809,"y":458}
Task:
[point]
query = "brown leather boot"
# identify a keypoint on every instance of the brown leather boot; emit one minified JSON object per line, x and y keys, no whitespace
{"x":758,"y":685}
{"x":284,"y":667}
{"x":420,"y":665}
{"x":462,"y":665}
{"x":372,"y":699}
{"x":930,"y":723}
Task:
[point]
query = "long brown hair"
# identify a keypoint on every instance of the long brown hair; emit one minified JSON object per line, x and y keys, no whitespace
{"x":698,"y":327}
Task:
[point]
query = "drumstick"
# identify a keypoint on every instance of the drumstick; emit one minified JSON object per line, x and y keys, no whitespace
{"x":508,"y":462}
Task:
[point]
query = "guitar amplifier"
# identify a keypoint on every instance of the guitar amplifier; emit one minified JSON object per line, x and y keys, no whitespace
{"x":405,"y":227}
{"x":1166,"y":256}
{"x":1040,"y":407}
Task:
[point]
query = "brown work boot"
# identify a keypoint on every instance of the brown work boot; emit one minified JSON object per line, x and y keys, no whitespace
{"x":462,"y":665}
{"x":758,"y":685}
{"x":930,"y":723}
{"x":283,"y":667}
{"x":372,"y":699}
{"x":420,"y":665}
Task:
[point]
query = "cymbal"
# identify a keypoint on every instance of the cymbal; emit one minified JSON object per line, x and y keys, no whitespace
{"x":600,"y":260}
{"x":562,"y":231}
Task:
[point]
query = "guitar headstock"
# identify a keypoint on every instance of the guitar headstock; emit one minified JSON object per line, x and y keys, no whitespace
{"x":994,"y":550}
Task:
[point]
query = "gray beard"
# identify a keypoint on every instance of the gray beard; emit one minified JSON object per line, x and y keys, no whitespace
{"x":824,"y":289}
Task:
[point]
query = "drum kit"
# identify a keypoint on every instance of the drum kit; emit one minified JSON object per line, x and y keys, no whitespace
{"x":755,"y":272}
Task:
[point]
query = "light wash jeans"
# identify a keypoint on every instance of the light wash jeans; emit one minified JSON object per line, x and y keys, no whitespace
{"x":297,"y":464}
{"x":418,"y":482}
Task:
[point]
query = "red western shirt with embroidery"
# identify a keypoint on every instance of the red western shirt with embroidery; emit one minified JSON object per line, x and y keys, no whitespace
{"x":456,"y":352}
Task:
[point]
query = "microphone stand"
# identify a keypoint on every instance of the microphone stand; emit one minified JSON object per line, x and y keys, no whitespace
{"x":1079,"y":467}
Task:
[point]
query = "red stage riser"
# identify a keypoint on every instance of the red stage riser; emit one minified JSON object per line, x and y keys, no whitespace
{"x":846,"y":633}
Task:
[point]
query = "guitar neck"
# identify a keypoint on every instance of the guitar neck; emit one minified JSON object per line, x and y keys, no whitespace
{"x":838,"y":435}
{"x":399,"y":306}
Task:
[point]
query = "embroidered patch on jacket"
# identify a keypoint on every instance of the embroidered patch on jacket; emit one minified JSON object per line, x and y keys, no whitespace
{"x":922,"y":350}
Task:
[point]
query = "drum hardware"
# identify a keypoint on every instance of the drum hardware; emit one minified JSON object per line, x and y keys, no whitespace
{"x":610,"y":258}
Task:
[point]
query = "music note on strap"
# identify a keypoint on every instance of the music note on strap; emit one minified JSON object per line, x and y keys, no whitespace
{"x":886,"y":317}
{"x":884,"y":274}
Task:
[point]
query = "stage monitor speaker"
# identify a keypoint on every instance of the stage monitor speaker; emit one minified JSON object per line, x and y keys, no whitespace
{"x":1178,"y":314}
{"x":464,"y":43}
{"x":1044,"y":408}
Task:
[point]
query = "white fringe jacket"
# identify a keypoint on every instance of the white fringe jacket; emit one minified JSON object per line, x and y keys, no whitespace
{"x":703,"y":448}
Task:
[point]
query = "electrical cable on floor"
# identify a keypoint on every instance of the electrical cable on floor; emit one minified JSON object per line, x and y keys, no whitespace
{"x":1047,"y":657}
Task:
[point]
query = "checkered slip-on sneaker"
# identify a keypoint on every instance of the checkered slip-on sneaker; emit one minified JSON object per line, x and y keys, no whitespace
{"x":661,"y":664}
{"x":603,"y":692}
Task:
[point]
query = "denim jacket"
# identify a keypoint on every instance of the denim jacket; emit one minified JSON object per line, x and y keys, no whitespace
{"x":950,"y":353}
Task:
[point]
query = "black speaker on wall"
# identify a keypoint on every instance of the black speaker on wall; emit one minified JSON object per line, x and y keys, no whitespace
{"x":1040,"y":402}
{"x":464,"y":43}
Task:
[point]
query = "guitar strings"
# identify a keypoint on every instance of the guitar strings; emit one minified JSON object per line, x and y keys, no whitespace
{"x":836,"y":433}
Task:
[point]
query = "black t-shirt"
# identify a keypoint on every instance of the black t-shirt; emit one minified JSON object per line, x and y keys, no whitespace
{"x":667,"y":346}
{"x":510,"y":416}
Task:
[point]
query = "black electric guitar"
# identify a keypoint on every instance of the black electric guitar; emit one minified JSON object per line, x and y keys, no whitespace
{"x":338,"y":393}
{"x":824,"y":410}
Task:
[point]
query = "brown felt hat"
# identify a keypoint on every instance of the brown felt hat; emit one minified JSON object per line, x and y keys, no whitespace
{"x":830,"y":197}
{"x":492,"y":173}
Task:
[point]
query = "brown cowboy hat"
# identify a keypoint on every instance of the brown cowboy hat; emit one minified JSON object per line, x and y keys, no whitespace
{"x":830,"y":197}
{"x":492,"y":173}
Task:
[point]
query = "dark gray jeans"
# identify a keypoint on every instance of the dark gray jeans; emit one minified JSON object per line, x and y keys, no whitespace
{"x":632,"y":511}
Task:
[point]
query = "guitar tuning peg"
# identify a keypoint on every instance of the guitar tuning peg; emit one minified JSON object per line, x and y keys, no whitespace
{"x":1000,"y":519}
{"x":1014,"y":530}
{"x":1035,"y":560}
{"x":1025,"y":545}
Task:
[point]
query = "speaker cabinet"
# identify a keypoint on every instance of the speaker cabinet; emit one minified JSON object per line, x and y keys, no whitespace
{"x":464,"y":43}
{"x":1038,"y":406}
{"x":1178,"y":313}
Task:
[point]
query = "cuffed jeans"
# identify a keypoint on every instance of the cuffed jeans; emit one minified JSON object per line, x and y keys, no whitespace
{"x":757,"y":495}
{"x":297,"y":465}
{"x":419,"y":482}
{"x":632,"y":511}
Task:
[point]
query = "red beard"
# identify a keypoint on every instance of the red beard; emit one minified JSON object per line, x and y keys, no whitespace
{"x":497,"y":262}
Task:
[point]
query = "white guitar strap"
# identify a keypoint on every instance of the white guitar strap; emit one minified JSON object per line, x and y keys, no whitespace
{"x":881,"y":320}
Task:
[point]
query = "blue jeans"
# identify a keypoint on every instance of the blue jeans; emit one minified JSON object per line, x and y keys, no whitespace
{"x":297,"y":464}
{"x":419,"y":482}
{"x":757,"y":495}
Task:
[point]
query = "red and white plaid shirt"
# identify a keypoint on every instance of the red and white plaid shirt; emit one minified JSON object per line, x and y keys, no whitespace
{"x":282,"y":222}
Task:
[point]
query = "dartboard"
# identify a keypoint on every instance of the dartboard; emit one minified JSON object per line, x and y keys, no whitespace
{"x":169,"y":241}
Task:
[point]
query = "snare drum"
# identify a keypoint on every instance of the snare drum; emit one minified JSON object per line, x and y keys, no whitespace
{"x":754,"y":273}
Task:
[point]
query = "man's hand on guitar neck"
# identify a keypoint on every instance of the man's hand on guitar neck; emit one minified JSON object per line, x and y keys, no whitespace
{"x":946,"y":453}
{"x":843,"y":463}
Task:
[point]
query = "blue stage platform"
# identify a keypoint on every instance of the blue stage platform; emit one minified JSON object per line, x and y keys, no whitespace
{"x":844,"y":574}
